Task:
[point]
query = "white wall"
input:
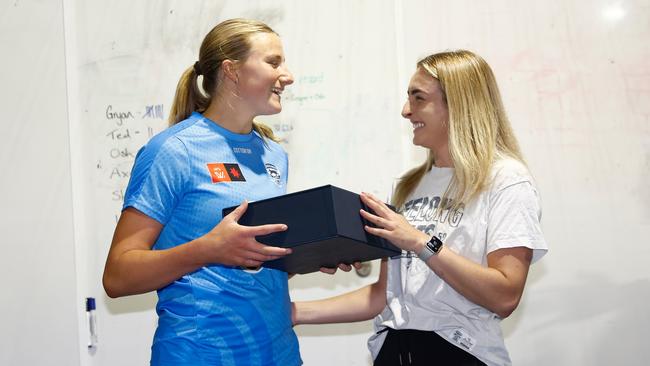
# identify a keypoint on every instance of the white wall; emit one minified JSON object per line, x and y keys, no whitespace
{"x":574,"y":76}
{"x":38,"y":310}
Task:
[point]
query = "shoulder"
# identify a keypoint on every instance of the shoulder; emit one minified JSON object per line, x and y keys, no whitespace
{"x":168,"y":144}
{"x":161,"y":145}
{"x":507,"y":172}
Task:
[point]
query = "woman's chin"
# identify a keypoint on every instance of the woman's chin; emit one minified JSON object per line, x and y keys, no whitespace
{"x":274,"y":109}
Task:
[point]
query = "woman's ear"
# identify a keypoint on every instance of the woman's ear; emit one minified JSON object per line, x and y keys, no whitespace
{"x":229,"y":68}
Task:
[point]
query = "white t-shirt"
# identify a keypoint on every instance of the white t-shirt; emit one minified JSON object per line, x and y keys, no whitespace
{"x":505,"y":215}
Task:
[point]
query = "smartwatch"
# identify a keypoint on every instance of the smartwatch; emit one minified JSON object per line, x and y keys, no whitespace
{"x":431,"y":248}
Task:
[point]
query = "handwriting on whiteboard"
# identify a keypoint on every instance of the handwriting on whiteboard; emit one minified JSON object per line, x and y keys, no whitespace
{"x":124,"y":131}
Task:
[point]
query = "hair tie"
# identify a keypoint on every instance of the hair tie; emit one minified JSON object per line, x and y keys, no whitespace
{"x":197,"y":68}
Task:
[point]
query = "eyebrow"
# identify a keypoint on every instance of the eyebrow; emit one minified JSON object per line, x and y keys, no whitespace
{"x":415,"y":91}
{"x":275,"y":58}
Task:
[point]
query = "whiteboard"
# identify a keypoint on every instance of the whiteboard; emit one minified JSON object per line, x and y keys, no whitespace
{"x":123,"y":75}
{"x":574,"y":77}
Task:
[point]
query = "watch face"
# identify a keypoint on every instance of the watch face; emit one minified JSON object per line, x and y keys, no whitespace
{"x":432,"y":247}
{"x":434,"y":244}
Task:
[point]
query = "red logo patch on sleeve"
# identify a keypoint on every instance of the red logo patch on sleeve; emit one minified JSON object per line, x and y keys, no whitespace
{"x":225,"y":172}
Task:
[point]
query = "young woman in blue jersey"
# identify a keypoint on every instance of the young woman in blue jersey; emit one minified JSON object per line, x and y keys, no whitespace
{"x":469,"y":228}
{"x":171,"y":236}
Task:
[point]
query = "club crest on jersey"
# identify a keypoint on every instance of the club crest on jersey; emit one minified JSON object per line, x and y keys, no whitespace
{"x":225,"y":172}
{"x":274,"y":173}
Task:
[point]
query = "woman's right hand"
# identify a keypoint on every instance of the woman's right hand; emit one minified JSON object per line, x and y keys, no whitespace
{"x":133,"y":268}
{"x":232,"y":244}
{"x":342,"y":266}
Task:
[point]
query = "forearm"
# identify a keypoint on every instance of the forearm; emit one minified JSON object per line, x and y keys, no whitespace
{"x":497,"y":287}
{"x":139,"y":271}
{"x":362,"y":304}
{"x":132,"y":267}
{"x":497,"y":290}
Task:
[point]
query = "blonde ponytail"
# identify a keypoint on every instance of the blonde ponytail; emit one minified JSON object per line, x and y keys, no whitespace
{"x":188,"y":97}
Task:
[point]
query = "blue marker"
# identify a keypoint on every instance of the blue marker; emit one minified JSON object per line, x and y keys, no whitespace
{"x":92,"y":321}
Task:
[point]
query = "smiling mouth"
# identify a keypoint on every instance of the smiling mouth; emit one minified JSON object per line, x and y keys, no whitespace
{"x":276,"y":91}
{"x":417,"y":125}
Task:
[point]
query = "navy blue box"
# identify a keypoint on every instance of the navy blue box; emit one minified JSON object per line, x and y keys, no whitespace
{"x":324,"y":229}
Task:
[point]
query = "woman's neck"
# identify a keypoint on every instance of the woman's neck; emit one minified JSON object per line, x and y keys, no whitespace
{"x":226,"y":114}
{"x":442,"y":158}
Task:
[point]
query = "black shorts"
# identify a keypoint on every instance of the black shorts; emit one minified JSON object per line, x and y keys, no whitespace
{"x":418,"y":347}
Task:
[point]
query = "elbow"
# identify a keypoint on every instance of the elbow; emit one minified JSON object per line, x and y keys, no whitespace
{"x":377,"y":299}
{"x":110,"y":287}
{"x":114,"y":281}
{"x":504,"y":313}
{"x":375,"y":309}
{"x":506,"y":308}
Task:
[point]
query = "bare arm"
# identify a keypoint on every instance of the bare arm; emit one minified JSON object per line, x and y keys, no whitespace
{"x":497,"y":287}
{"x":133,"y":268}
{"x":362,"y":304}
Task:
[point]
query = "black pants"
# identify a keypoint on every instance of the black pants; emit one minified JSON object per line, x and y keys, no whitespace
{"x":418,"y":347}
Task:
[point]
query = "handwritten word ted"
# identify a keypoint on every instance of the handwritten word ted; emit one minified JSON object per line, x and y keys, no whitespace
{"x":118,"y":134}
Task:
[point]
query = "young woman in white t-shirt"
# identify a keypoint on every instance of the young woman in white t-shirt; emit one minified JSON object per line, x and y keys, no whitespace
{"x":468,"y":226}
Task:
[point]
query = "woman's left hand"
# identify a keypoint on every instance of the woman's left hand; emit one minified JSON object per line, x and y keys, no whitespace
{"x":391,"y":225}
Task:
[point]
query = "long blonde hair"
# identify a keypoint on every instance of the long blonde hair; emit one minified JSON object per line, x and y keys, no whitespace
{"x":229,"y":40}
{"x":479,"y":130}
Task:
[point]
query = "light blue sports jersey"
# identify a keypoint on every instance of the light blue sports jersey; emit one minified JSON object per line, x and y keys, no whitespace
{"x":217,"y":315}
